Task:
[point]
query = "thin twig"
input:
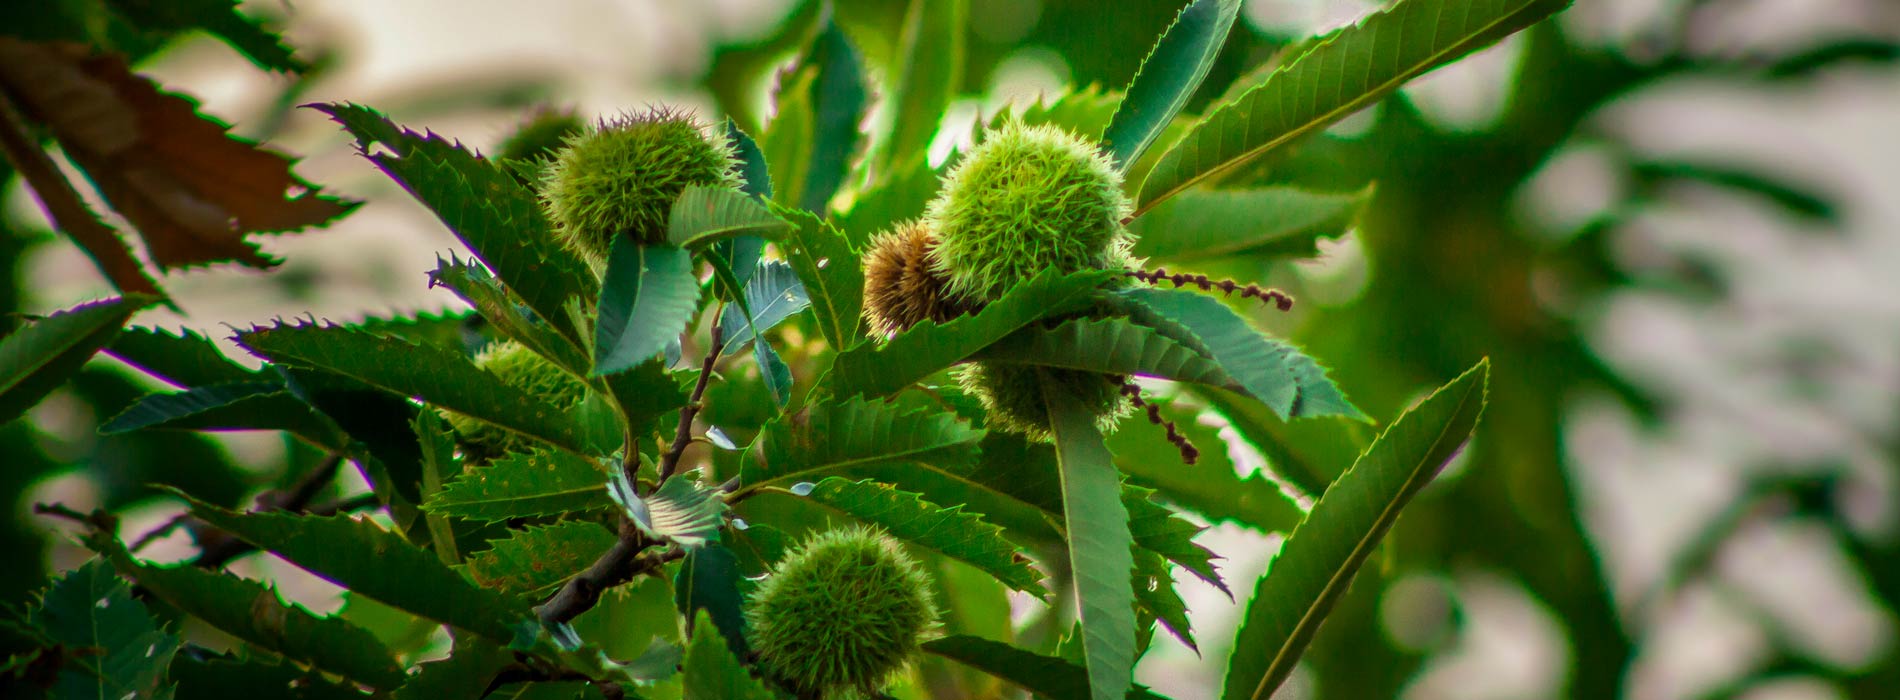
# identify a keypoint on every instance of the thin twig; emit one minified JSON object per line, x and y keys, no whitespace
{"x":1180,"y":279}
{"x":683,"y":435}
{"x":68,"y":210}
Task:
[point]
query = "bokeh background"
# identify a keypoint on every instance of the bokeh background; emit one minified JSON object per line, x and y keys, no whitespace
{"x":1674,"y":225}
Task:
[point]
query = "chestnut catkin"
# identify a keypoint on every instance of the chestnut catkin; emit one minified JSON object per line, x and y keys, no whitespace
{"x":621,"y":178}
{"x":843,"y":612}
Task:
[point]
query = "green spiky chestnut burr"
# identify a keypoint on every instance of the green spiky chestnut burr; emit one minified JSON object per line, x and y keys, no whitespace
{"x":534,"y":375}
{"x":842,"y":613}
{"x":621,"y":178}
{"x":901,"y":283}
{"x":1028,"y":199}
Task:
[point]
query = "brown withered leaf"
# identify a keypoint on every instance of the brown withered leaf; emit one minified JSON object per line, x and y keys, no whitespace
{"x":193,"y":191}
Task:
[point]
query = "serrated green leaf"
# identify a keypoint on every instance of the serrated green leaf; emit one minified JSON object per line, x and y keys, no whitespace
{"x":705,"y":215}
{"x":1268,"y":221}
{"x":773,"y":294}
{"x":92,"y":608}
{"x":257,"y":615}
{"x":38,"y":357}
{"x":465,"y":675}
{"x":835,"y":436}
{"x":439,"y":463}
{"x":1210,"y":487}
{"x":829,"y":268}
{"x":1320,"y":558}
{"x":786,"y":142}
{"x":707,"y":586}
{"x":754,"y":176}
{"x":544,"y":482}
{"x":481,"y":290}
{"x":437,"y":375}
{"x":1350,"y":70}
{"x":679,"y":511}
{"x":494,"y":214}
{"x":930,"y":347}
{"x":1156,"y":597}
{"x":1159,"y":530}
{"x":838,"y":99}
{"x":713,"y":673}
{"x":1294,"y":449}
{"x":1277,"y":374}
{"x":184,"y":358}
{"x":1043,"y":675}
{"x":1169,"y":75}
{"x":952,"y":532}
{"x":535,"y":560}
{"x":1085,"y":111}
{"x":649,"y":297}
{"x":449,"y":329}
{"x":223,"y":679}
{"x":925,"y":75}
{"x":759,"y":546}
{"x":1099,"y":542}
{"x":1109,"y":346}
{"x":222,"y":19}
{"x":375,"y":563}
{"x":247,"y":405}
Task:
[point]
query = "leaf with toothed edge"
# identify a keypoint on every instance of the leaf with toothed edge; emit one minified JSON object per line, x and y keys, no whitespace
{"x":1321,"y":556}
{"x":545,"y":482}
{"x":1337,"y":76}
{"x":952,"y":532}
{"x":1099,"y":537}
{"x":712,"y":672}
{"x":707,"y":587}
{"x":836,"y":436}
{"x":499,"y":218}
{"x":1108,"y":346}
{"x":705,"y":215}
{"x":648,"y":298}
{"x":1168,"y":77}
{"x":929,"y":347}
{"x":1280,"y":222}
{"x":183,"y":358}
{"x":679,"y":511}
{"x":38,"y":357}
{"x":377,"y":564}
{"x":535,"y":560}
{"x":828,"y":266}
{"x":1278,"y":374}
{"x":437,"y":375}
{"x":473,"y":284}
{"x":251,"y":405}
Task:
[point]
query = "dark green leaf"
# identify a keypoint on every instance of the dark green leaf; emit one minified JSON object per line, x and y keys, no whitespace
{"x":838,"y":99}
{"x":257,"y":615}
{"x":952,"y":532}
{"x":1799,"y":199}
{"x":786,"y":142}
{"x":465,"y":675}
{"x":182,"y":358}
{"x":251,"y":405}
{"x":474,"y":285}
{"x":752,"y":169}
{"x":929,"y":347}
{"x":1277,"y":221}
{"x":375,"y":563}
{"x":222,"y":19}
{"x":223,"y":679}
{"x":772,"y":295}
{"x":498,"y":218}
{"x":1044,"y":675}
{"x":829,"y":268}
{"x":534,"y":560}
{"x":1210,"y":487}
{"x":1172,"y":72}
{"x":38,"y":357}
{"x":648,"y":298}
{"x":439,"y":463}
{"x":437,"y":375}
{"x":1099,"y":542}
{"x":1293,"y":449}
{"x":834,"y":436}
{"x":708,"y":583}
{"x":1276,"y":373}
{"x":704,"y":215}
{"x":713,"y":673}
{"x":679,"y":511}
{"x":1320,"y":558}
{"x":517,"y":485}
{"x":1159,"y":530}
{"x":1349,"y":70}
{"x":92,"y":608}
{"x":1109,"y":346}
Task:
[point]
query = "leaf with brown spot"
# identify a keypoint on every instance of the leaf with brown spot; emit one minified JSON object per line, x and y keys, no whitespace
{"x":193,"y":191}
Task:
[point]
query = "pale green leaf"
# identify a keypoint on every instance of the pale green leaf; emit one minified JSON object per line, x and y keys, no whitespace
{"x":711,"y":672}
{"x":649,"y":297}
{"x":1268,"y":221}
{"x":705,"y":214}
{"x":679,"y":511}
{"x":1277,"y":374}
{"x":1320,"y":558}
{"x":1099,"y":542}
{"x":927,"y":70}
